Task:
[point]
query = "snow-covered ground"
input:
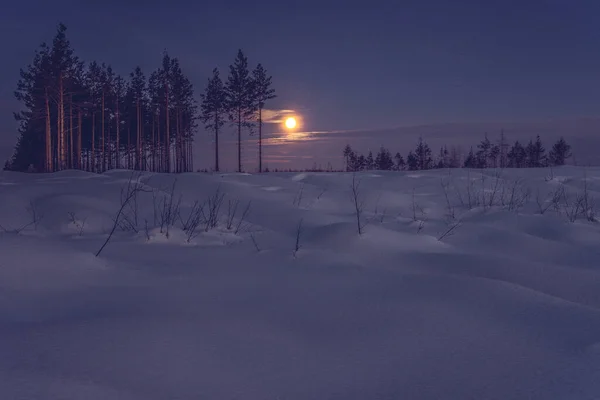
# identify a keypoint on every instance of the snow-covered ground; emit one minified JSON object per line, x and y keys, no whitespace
{"x":458,"y":288}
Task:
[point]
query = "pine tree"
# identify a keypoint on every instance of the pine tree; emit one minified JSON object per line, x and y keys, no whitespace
{"x":517,"y":156}
{"x":362,"y":163}
{"x":494,"y":156}
{"x":354,"y":162}
{"x":165,"y":81}
{"x":560,"y":152}
{"x":156,"y":95}
{"x":369,"y":162}
{"x":213,"y":109}
{"x":503,"y":150}
{"x":184,"y":115}
{"x":423,"y":155}
{"x":262,"y":93}
{"x":538,"y":153}
{"x":46,"y":90}
{"x":347,"y":152}
{"x":384,"y":161}
{"x":471,"y":160}
{"x":33,"y":91}
{"x":483,"y":154}
{"x":412,"y":161}
{"x":105,"y":87}
{"x":442,"y":161}
{"x":400,"y":164}
{"x":137,"y":109}
{"x":240,"y":102}
{"x":454,"y":158}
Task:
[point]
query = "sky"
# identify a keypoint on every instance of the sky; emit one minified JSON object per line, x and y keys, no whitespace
{"x":381,"y":66}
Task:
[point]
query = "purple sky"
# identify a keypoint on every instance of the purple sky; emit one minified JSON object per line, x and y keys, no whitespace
{"x":348,"y":65}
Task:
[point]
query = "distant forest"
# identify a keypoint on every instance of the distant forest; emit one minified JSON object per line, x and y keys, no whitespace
{"x":87,"y":117}
{"x":488,"y":155}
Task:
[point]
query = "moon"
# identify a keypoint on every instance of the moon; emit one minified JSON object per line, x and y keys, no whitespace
{"x":290,"y":123}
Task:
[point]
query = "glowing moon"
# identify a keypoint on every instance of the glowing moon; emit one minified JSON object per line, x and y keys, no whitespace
{"x":290,"y":123}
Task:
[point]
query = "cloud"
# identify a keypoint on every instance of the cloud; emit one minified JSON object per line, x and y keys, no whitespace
{"x":276,"y":116}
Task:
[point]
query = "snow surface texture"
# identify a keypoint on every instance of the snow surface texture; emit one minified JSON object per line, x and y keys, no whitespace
{"x":463,"y":285}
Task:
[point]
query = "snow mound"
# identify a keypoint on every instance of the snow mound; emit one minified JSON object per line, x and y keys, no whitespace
{"x":463,"y":284}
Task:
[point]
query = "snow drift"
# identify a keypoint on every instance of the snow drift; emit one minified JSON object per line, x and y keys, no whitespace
{"x":464,"y":284}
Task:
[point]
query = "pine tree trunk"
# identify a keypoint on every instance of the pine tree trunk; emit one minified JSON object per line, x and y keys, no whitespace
{"x":71,"y":147}
{"x":61,"y":125}
{"x":239,"y":141}
{"x":159,"y":158}
{"x":153,"y":146}
{"x":118,"y":139}
{"x":216,"y":142}
{"x":192,"y":159}
{"x":137,"y":134}
{"x":48,"y":136}
{"x":177,"y":143}
{"x":167,"y":165}
{"x":94,"y":142}
{"x":142,"y":141}
{"x":102,"y":143}
{"x":259,"y":140}
{"x":78,"y":152}
{"x":129,"y":145}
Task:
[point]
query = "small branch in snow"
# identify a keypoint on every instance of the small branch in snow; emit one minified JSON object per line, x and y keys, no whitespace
{"x":298,"y":235}
{"x":358,"y":203}
{"x":254,"y":242}
{"x":132,"y":189}
{"x":449,"y":231}
{"x":244,"y":215}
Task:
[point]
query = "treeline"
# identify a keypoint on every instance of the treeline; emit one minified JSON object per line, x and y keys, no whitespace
{"x":487,"y":155}
{"x":78,"y":116}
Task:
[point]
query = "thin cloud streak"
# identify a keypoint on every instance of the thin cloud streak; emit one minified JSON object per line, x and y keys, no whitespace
{"x":276,"y":116}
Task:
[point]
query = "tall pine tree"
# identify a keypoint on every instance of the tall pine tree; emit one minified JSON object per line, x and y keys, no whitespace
{"x":213,"y":109}
{"x":240,"y":99}
{"x":262,"y":93}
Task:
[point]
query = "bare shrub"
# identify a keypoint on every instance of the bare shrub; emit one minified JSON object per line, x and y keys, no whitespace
{"x":322,"y":192}
{"x":551,"y":201}
{"x":358,"y":202}
{"x":77,"y":223}
{"x":517,"y":195}
{"x":550,"y":177}
{"x":130,"y":191}
{"x":579,"y":205}
{"x":299,"y":195}
{"x":497,"y":184}
{"x":243,"y":217}
{"x":255,"y":243}
{"x":449,"y":208}
{"x":483,"y":200}
{"x":587,"y":201}
{"x":232,"y":206}
{"x":36,"y":215}
{"x":213,"y":208}
{"x":146,"y":230}
{"x":298,"y":235}
{"x":573,"y":207}
{"x":472,"y":198}
{"x":129,"y":218}
{"x":167,"y":210}
{"x":16,"y":230}
{"x":378,"y":215}
{"x":450,"y":230}
{"x":420,"y":226}
{"x":193,"y":220}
